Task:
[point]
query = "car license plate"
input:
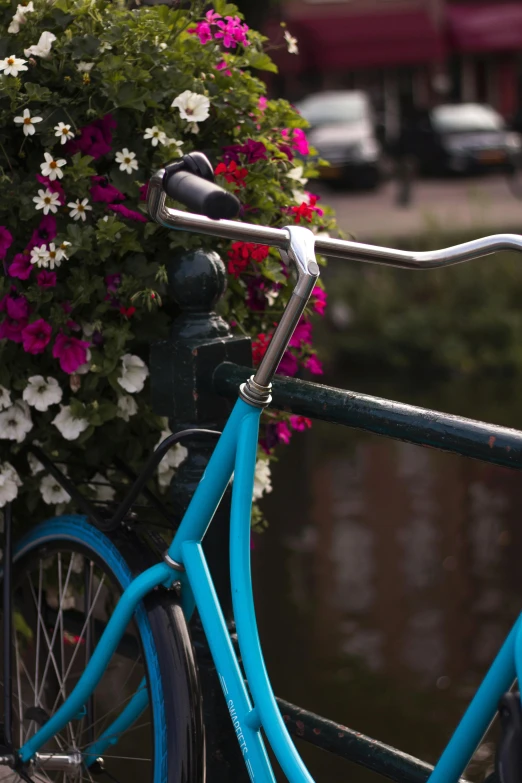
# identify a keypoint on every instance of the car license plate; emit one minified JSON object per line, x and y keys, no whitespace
{"x":331,"y":172}
{"x":492,"y":156}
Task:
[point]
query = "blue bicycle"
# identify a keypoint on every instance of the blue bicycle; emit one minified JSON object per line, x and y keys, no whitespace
{"x":101,"y":645}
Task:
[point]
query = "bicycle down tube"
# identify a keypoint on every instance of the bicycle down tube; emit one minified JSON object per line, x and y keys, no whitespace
{"x":235,"y":455}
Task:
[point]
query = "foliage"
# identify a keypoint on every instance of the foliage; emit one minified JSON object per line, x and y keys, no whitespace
{"x":93,"y":99}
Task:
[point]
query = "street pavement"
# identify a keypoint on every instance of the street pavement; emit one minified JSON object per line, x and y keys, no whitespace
{"x":483,"y":204}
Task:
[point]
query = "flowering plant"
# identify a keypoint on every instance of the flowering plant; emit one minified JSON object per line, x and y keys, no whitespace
{"x":95,"y":98}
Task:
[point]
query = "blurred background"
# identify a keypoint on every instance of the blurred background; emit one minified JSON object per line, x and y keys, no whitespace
{"x":390,"y":574}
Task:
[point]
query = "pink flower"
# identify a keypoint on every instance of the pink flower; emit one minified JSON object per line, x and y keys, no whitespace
{"x":221,"y":66}
{"x":94,"y":140}
{"x":202,"y":30}
{"x":12,"y":330}
{"x":319,"y":298}
{"x":6,"y":240}
{"x":53,"y":185}
{"x":232,"y":31}
{"x":212,"y":16}
{"x":16,"y":307}
{"x":144,"y":189}
{"x":112,"y":282}
{"x":297,"y":139}
{"x":128,"y":213}
{"x":251,"y":149}
{"x":102,"y":190}
{"x":262,"y":102}
{"x":283,"y":432}
{"x":46,"y":279}
{"x":302,"y":335}
{"x":314,"y":365}
{"x":21,"y":266}
{"x":288,"y":364}
{"x":300,"y":423}
{"x":45,"y":232}
{"x":36,"y":336}
{"x":70,"y":352}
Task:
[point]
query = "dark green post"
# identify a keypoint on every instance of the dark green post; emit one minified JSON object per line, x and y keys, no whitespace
{"x":199,"y":341}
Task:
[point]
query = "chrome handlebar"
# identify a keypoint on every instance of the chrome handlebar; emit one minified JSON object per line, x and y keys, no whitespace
{"x":296,"y":244}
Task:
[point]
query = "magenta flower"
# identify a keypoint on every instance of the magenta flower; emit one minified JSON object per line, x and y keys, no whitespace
{"x":302,"y":335}
{"x":232,"y":32}
{"x":45,"y":232}
{"x":12,"y":330}
{"x":144,"y":189}
{"x":288,"y":364}
{"x":16,"y":307}
{"x":297,"y":140}
{"x":319,"y":298}
{"x":212,"y":16}
{"x":53,"y":185}
{"x":46,"y":279}
{"x":36,"y":336}
{"x":66,"y":307}
{"x":6,"y":240}
{"x":252,"y":150}
{"x":128,"y":213}
{"x":70,"y":352}
{"x":202,"y":30}
{"x":223,"y":66}
{"x":314,"y":365}
{"x":21,"y":266}
{"x":112,"y":282}
{"x":102,"y":190}
{"x":94,"y":140}
{"x":300,"y":423}
{"x":283,"y":432}
{"x":262,"y":102}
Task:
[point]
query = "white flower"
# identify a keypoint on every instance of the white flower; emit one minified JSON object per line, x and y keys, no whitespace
{"x":156,"y":135}
{"x":63,"y":246}
{"x":52,"y":168}
{"x":127,"y":407}
{"x":101,"y":488}
{"x":174,"y":143}
{"x":67,"y":599}
{"x":133,"y":373}
{"x":9,"y":483}
{"x":165,"y":477}
{"x":39,"y":256}
{"x":11,"y":66}
{"x":27,"y":122}
{"x":54,"y":256}
{"x":105,"y":47}
{"x":53,"y":492}
{"x":41,"y":392}
{"x":174,"y":456}
{"x":262,"y":483}
{"x":127,"y":160}
{"x":78,"y":208}
{"x":84,"y":67}
{"x":297,"y":175}
{"x":64,"y":132}
{"x":43,"y":47}
{"x":68,"y":425}
{"x":192,"y":106}
{"x":15,"y":422}
{"x":193,"y":127}
{"x":291,"y":43}
{"x":47,"y":200}
{"x":20,"y":17}
{"x":5,"y":398}
{"x":34,"y":464}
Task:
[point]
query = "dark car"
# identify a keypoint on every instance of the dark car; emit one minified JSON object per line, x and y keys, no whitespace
{"x":343,"y":133}
{"x":465,"y":138}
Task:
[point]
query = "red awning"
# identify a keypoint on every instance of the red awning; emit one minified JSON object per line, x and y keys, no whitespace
{"x":485,"y":28}
{"x":370,"y":40}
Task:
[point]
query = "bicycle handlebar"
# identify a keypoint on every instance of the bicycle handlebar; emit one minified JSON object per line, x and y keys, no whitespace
{"x":334,"y":248}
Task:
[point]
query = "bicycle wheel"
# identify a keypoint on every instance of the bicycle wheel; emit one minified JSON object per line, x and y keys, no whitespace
{"x":67,"y":577}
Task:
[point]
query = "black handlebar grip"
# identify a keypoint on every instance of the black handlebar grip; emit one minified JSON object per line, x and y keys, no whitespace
{"x":199,"y":195}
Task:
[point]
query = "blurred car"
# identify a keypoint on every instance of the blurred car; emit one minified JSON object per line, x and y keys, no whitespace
{"x":466,"y":138}
{"x":343,"y":133}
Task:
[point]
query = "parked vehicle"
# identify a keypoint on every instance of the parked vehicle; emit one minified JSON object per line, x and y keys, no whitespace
{"x":466,"y":138}
{"x":343,"y":133}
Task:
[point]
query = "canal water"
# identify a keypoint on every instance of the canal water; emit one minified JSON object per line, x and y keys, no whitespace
{"x":390,"y":573}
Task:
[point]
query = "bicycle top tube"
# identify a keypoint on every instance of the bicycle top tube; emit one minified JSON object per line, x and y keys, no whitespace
{"x":335,"y":248}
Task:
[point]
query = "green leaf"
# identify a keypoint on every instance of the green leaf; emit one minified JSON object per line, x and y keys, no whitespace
{"x":37,"y":92}
{"x":262,"y":62}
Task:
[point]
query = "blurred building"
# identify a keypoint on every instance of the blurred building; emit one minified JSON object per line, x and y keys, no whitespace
{"x":405,"y":53}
